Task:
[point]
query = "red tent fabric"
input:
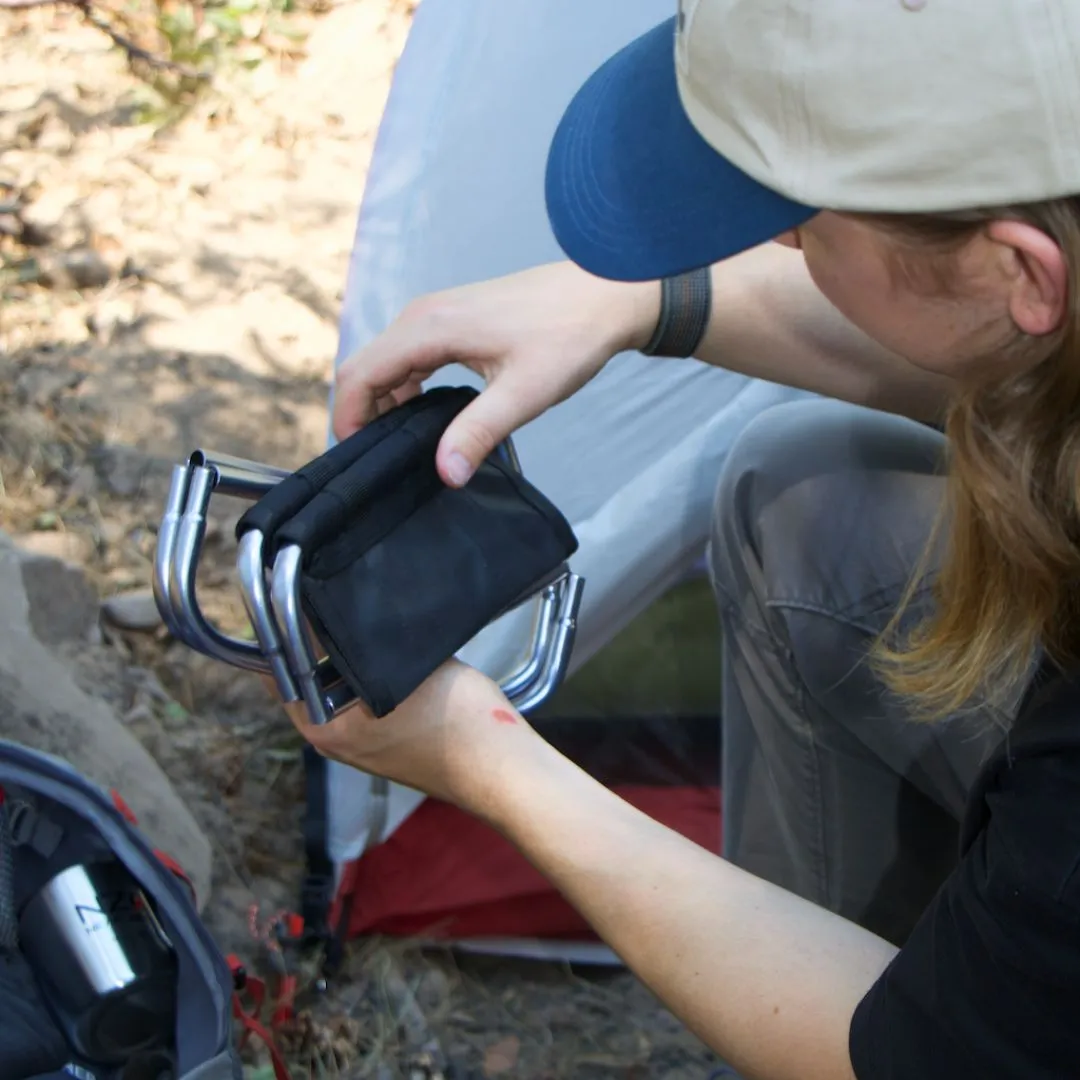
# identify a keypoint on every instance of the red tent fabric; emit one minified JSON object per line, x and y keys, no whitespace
{"x":446,"y":875}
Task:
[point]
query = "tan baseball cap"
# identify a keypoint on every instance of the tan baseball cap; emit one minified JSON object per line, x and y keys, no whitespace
{"x":738,"y":119}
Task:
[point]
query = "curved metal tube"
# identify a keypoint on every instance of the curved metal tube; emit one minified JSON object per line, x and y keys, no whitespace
{"x":165,"y":550}
{"x":289,"y":617}
{"x":251,"y":571}
{"x":518,"y":682}
{"x":557,"y":660}
{"x":197,"y":630}
{"x":238,"y":476}
{"x":180,"y":546}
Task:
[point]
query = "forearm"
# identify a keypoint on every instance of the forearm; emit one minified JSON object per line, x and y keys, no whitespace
{"x":771,"y":322}
{"x":766,"y":979}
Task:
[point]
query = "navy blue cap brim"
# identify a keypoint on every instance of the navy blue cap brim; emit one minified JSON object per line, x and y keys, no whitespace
{"x":634,"y":193}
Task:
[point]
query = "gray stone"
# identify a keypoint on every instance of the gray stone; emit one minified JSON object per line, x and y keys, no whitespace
{"x":128,"y":471}
{"x":84,"y":484}
{"x":82,"y":268}
{"x":136,"y":610}
{"x":42,"y":707}
{"x":62,"y":605}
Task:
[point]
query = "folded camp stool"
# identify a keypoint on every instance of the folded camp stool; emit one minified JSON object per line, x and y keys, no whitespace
{"x":362,"y":572}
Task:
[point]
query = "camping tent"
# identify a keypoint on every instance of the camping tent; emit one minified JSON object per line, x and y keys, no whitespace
{"x":455,"y":194}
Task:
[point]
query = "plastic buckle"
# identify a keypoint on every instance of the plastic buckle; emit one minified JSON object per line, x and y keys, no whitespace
{"x":316,"y":899}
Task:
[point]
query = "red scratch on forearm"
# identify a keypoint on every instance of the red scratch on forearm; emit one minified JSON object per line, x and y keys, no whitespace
{"x":503,"y":716}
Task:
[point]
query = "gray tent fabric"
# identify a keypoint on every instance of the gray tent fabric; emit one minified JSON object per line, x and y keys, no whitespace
{"x":455,"y":195}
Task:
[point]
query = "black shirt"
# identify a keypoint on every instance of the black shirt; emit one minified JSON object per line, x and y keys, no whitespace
{"x":988,"y":984}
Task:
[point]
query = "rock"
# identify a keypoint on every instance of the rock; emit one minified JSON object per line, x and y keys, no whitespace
{"x":133,"y":611}
{"x":83,"y":485}
{"x":126,"y":471}
{"x":40,"y":385}
{"x":113,"y":532}
{"x":42,"y":707}
{"x":34,"y":234}
{"x":62,"y":604}
{"x":123,"y":469}
{"x":25,"y":430}
{"x":82,"y":268}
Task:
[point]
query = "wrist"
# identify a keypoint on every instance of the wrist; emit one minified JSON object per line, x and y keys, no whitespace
{"x":632,"y":309}
{"x":486,"y":745}
{"x":514,"y":771}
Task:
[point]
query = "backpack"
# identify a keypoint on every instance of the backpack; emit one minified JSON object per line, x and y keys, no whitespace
{"x":106,"y":970}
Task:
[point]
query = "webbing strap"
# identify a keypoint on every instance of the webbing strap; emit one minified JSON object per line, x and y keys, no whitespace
{"x":255,"y":989}
{"x":253,"y":1026}
{"x":318,"y":888}
{"x":9,"y":923}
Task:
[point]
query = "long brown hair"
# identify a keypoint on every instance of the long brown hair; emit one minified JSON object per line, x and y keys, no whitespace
{"x":1009,"y":581}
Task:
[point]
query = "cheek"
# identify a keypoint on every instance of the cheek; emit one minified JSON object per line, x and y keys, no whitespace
{"x":863,"y":292}
{"x":928,"y":335}
{"x":851,"y":288}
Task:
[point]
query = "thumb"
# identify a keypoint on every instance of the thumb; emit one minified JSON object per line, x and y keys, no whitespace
{"x":476,"y":431}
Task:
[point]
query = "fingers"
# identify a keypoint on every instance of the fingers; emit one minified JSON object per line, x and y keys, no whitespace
{"x":479,"y":428}
{"x":334,"y":739}
{"x":391,"y":369}
{"x":319,"y":737}
{"x":362,"y":393}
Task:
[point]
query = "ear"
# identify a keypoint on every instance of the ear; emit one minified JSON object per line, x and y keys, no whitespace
{"x":1039,"y":277}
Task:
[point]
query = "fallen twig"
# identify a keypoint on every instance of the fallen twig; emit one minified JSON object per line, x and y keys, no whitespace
{"x":133,"y":50}
{"x":136,"y":52}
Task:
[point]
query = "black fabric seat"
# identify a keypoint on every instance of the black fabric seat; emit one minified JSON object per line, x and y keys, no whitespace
{"x":399,"y":571}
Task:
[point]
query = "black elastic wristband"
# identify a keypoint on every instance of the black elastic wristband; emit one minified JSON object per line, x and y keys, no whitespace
{"x":685,"y":310}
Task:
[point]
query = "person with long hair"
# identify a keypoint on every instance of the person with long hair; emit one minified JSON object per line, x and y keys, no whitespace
{"x":879,"y":202}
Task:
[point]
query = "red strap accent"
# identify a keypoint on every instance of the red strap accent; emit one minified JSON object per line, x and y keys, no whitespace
{"x":174,"y":867}
{"x":125,"y":810}
{"x":163,"y":856}
{"x":252,"y":1025}
{"x":283,"y":1006}
{"x":256,"y":990}
{"x":3,"y":796}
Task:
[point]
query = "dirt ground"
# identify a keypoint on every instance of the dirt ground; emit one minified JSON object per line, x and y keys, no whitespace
{"x":167,"y":283}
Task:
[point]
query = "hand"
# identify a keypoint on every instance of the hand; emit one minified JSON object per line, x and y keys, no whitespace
{"x":535,"y":337}
{"x":444,"y":740}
